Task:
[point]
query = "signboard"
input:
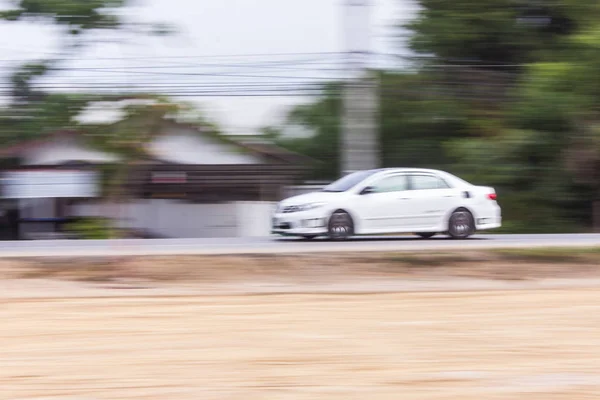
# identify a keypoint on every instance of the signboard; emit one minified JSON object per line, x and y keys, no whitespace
{"x":35,"y":184}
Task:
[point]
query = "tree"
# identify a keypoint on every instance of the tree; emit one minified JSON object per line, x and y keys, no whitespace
{"x":33,"y":111}
{"x":413,"y":124}
{"x":322,"y":119}
{"x":128,"y":139}
{"x":530,"y":131}
{"x":500,"y":34}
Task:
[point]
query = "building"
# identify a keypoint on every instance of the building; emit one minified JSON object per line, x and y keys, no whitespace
{"x":190,"y":184}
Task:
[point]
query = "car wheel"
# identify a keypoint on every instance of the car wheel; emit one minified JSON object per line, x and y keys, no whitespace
{"x":461,"y":224}
{"x":341,"y":226}
{"x":426,"y":235}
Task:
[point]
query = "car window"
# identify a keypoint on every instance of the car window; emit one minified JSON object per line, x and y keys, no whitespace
{"x":427,"y":182}
{"x":349,"y":181}
{"x":395,"y":183}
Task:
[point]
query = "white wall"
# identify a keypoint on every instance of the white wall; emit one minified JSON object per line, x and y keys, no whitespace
{"x":176,"y":219}
{"x":290,"y":191}
{"x":36,"y":208}
{"x":254,"y":218}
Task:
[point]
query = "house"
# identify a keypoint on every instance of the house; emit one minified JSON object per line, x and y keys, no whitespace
{"x":190,"y":184}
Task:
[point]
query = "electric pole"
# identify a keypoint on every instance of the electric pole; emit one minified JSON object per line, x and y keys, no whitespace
{"x":359,"y":137}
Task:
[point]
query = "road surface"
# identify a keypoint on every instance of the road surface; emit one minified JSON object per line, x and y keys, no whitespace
{"x":274,"y":245}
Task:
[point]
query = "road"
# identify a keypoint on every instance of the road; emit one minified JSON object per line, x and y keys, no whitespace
{"x":274,"y":245}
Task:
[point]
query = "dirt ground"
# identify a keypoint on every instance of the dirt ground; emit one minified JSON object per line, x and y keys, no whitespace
{"x":525,"y":343}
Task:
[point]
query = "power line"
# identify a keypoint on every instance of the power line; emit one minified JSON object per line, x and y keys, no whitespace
{"x":186,"y":57}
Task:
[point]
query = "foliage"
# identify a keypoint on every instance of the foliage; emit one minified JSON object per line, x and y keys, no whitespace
{"x":90,"y":228}
{"x":34,"y":112}
{"x":506,"y":94}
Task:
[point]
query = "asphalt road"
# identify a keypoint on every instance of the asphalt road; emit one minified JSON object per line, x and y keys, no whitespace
{"x":273,"y":245}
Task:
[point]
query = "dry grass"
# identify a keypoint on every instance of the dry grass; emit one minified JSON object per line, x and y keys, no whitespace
{"x":513,"y":264}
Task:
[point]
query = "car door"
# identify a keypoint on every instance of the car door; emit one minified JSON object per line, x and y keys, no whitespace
{"x":432,"y":197}
{"x":383,"y":208}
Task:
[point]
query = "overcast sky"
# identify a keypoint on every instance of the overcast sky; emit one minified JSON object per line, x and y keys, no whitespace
{"x":223,"y":47}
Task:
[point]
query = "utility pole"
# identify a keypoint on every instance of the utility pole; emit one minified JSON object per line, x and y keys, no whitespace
{"x":359,"y":137}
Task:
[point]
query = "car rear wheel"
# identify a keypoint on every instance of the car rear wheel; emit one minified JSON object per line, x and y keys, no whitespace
{"x":341,"y":226}
{"x":426,"y":235}
{"x":461,"y":224}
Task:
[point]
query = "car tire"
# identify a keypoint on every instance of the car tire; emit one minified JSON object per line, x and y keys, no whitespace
{"x":426,"y":235}
{"x":461,"y":224}
{"x":341,"y":226}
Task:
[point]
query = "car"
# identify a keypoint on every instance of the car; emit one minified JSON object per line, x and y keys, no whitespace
{"x":424,"y":202}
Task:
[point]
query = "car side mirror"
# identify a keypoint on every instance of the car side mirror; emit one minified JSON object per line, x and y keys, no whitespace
{"x":368,"y":190}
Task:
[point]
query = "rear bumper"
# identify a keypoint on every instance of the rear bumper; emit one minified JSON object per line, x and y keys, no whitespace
{"x":494,"y":221}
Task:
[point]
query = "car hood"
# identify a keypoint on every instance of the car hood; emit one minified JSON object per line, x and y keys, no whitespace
{"x":314,"y":197}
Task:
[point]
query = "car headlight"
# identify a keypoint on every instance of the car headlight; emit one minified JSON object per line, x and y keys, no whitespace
{"x":287,"y":209}
{"x":310,"y":206}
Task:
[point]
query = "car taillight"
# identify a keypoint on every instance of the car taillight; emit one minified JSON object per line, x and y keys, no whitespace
{"x":492,"y":196}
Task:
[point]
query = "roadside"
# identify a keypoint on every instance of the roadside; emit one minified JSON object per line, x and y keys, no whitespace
{"x":323,"y":273}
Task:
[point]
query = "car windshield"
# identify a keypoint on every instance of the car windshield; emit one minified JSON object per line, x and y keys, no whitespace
{"x":349,"y":181}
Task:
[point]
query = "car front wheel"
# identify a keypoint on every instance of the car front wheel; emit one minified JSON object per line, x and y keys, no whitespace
{"x":341,"y":226}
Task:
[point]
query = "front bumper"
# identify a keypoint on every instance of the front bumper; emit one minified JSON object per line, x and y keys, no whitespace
{"x":304,"y":223}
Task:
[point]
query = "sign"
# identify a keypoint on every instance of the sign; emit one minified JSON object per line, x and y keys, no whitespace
{"x":169,"y":177}
{"x":35,"y":184}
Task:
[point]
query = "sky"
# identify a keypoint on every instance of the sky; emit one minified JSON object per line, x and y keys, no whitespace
{"x":222,"y":50}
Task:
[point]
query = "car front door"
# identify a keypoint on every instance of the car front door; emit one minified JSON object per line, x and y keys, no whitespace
{"x":384,"y":208}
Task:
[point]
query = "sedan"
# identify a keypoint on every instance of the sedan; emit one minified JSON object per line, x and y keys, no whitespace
{"x":392,"y":200}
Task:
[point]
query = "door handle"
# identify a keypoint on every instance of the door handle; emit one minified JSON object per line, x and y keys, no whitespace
{"x":403,"y":198}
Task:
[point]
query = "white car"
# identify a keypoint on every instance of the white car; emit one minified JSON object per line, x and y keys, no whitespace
{"x":391,"y":200}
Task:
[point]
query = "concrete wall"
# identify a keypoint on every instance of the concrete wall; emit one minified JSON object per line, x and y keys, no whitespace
{"x":176,"y":219}
{"x":36,"y":208}
{"x":254,"y":218}
{"x":290,"y":191}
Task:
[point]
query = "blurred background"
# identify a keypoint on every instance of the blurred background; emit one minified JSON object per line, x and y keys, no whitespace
{"x":183,"y":118}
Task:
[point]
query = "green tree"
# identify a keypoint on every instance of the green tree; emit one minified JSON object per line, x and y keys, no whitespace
{"x":414,"y":124}
{"x":500,"y":34}
{"x":128,"y":139}
{"x":33,"y":111}
{"x":530,"y":130}
{"x":322,"y":119}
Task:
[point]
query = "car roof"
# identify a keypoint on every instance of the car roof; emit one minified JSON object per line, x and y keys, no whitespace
{"x":401,"y":169}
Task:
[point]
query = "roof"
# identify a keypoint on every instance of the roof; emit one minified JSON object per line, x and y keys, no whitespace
{"x":261,"y":147}
{"x":403,"y":169}
{"x":275,"y":153}
{"x":10,"y":151}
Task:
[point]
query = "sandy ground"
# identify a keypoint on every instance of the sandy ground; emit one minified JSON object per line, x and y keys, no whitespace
{"x":524,"y":343}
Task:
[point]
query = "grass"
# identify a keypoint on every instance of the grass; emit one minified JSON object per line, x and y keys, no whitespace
{"x":555,"y":255}
{"x":496,"y":263}
{"x":549,"y":255}
{"x":431,"y":260}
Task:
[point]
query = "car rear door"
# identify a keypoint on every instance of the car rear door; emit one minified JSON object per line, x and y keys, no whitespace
{"x":432,"y":197}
